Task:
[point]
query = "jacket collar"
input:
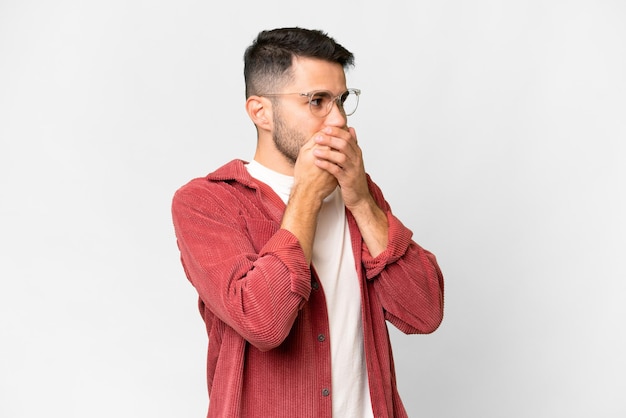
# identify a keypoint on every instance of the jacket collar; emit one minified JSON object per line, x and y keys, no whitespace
{"x":235,"y":170}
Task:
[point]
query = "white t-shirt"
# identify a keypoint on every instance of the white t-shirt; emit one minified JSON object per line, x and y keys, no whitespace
{"x":333,"y":261}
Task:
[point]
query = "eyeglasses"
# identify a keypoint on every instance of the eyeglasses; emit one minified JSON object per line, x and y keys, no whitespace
{"x":321,"y":101}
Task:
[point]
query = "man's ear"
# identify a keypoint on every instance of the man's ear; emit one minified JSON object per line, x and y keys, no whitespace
{"x":260,"y":111}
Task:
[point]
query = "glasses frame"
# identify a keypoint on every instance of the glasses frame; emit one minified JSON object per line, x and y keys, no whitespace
{"x":334,"y":99}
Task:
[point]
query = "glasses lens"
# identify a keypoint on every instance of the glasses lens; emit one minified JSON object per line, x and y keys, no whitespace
{"x":350,"y":101}
{"x":320,"y":103}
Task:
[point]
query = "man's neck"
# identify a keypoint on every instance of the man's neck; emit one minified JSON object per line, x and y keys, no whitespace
{"x":274,"y":160}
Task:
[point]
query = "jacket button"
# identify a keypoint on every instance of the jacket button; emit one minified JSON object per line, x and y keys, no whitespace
{"x":325,"y":392}
{"x":315,"y":285}
{"x":321,"y":338}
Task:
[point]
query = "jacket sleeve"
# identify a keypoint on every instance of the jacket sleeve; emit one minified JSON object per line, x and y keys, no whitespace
{"x":257,"y":292}
{"x":407,"y":279}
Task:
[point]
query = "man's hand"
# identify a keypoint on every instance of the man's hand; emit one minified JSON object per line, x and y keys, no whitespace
{"x":317,"y":182}
{"x":338,"y":153}
{"x":311,"y":185}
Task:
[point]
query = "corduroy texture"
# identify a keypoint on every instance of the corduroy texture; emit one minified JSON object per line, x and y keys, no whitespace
{"x":264,"y":318}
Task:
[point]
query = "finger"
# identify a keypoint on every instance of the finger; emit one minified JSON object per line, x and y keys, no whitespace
{"x":353,"y":134}
{"x":329,"y":166}
{"x":337,"y":132}
{"x":340,"y":144}
{"x":330,"y":154}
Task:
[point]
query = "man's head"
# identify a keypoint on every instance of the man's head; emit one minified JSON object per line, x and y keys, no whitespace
{"x":295,"y":86}
{"x":268,"y":61}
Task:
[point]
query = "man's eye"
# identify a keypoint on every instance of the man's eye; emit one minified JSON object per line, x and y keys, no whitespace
{"x":320,"y":100}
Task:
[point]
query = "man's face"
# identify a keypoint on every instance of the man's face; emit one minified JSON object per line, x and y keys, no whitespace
{"x":294,"y":124}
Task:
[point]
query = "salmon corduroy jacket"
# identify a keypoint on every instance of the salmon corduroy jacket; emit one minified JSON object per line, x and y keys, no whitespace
{"x":264,"y":307}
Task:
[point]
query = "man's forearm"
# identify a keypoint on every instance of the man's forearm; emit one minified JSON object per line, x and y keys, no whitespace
{"x":372,"y":223}
{"x":300,"y":218}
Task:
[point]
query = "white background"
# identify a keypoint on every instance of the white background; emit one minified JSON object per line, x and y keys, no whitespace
{"x":496,"y":129}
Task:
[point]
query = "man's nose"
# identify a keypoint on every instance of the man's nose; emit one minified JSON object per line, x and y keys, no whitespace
{"x":337,"y":116}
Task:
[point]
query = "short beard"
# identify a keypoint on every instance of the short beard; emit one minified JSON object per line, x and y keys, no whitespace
{"x":287,"y":140}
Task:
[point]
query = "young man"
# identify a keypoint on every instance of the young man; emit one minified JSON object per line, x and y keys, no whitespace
{"x":296,"y":256}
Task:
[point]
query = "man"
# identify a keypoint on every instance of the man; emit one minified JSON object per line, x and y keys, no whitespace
{"x":296,"y":256}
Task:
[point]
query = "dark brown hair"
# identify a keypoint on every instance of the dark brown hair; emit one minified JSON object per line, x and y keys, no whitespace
{"x":268,"y":60}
